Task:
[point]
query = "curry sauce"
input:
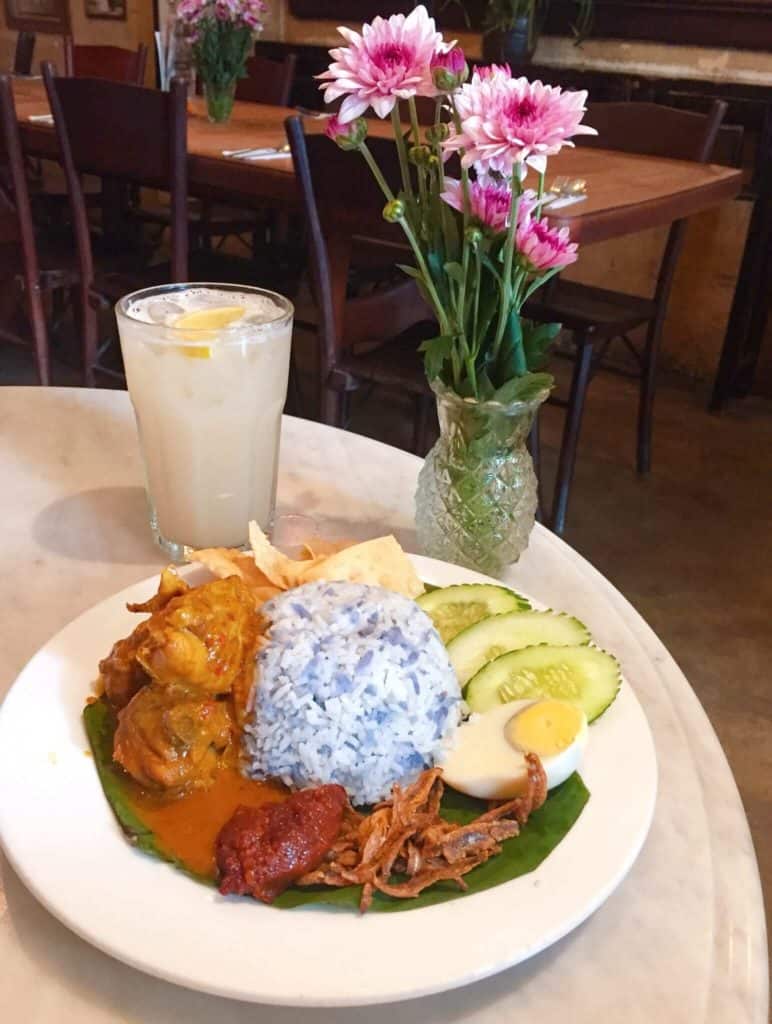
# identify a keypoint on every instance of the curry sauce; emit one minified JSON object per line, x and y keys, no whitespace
{"x":186,"y":826}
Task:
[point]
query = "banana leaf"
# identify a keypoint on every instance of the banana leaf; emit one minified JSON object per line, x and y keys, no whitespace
{"x":545,"y":829}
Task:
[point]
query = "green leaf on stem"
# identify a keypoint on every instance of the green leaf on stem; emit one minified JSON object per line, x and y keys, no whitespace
{"x":455,"y":271}
{"x":436,"y":352}
{"x":537,"y":339}
{"x":511,"y":361}
{"x":410,"y":271}
{"x":524,"y":389}
{"x":485,"y":388}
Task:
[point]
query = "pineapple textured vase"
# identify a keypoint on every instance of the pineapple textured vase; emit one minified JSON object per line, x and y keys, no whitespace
{"x":477,"y":492}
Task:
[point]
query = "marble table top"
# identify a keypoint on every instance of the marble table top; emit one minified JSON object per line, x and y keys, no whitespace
{"x":681,"y":941}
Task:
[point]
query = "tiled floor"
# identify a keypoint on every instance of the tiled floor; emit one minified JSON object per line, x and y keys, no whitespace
{"x":691,"y":546}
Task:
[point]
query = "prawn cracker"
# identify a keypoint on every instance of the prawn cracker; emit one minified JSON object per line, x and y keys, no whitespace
{"x":318,"y":547}
{"x":379,"y":562}
{"x":224,"y":562}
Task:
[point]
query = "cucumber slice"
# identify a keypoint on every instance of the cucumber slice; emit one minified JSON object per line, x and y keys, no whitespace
{"x":453,"y":609}
{"x":586,"y":676}
{"x":472,"y":649}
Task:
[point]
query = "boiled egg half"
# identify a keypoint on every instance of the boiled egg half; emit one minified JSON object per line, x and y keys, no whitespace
{"x":487,"y":759}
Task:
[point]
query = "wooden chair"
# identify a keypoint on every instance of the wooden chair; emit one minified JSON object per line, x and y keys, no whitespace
{"x":271,"y":82}
{"x":598,"y":316}
{"x":114,"y":63}
{"x":25,"y":49}
{"x":362,"y":340}
{"x":17,"y":235}
{"x":89,"y":115}
{"x":268,"y":81}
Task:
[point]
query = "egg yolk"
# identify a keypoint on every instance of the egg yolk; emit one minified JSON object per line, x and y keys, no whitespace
{"x":545,"y":728}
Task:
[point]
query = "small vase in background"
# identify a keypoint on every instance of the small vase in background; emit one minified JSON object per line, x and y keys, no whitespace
{"x":219,"y":101}
{"x":477,"y":491}
{"x":514,"y":46}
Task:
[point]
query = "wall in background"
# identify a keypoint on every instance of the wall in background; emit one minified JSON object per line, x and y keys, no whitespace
{"x":138,"y":27}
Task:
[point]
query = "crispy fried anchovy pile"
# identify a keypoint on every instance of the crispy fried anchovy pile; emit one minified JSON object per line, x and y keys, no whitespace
{"x":406,"y":837}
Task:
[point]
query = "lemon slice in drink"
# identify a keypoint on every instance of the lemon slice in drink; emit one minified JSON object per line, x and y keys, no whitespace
{"x":206,"y":323}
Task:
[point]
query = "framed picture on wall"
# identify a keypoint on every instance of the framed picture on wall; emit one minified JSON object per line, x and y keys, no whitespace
{"x":38,"y":16}
{"x":113,"y":9}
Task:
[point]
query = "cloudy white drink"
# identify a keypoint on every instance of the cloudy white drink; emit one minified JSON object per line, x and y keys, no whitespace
{"x":206,"y":367}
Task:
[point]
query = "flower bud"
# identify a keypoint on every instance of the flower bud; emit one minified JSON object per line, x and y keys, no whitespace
{"x":394,"y":211}
{"x":348,"y":136}
{"x":449,"y":69}
{"x":419,"y":155}
{"x":437,"y":133}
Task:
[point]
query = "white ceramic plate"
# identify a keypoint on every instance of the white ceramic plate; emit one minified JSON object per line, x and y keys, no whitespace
{"x":60,"y":836}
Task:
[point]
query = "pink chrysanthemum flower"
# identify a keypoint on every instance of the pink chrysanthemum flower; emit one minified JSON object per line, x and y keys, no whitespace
{"x":509,"y":121}
{"x":388,"y":62}
{"x":488,"y":71}
{"x":541,"y":248}
{"x":489,"y":201}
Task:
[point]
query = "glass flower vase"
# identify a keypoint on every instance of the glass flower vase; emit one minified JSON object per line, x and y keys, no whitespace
{"x":477,"y":492}
{"x":219,"y":100}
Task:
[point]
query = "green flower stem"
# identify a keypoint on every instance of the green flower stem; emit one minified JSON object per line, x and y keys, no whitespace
{"x":540,"y":196}
{"x":534,"y":285}
{"x":428,"y":281}
{"x":462,"y":318}
{"x":363,"y":149}
{"x":404,"y":224}
{"x":509,"y":252}
{"x":404,"y":167}
{"x":464,"y":170}
{"x":476,"y":313}
{"x":417,"y":142}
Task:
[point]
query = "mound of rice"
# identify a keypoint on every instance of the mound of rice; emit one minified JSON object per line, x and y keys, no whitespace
{"x":355,"y":687}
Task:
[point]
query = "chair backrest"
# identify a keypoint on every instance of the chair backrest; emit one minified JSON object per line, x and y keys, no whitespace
{"x":268,"y":81}
{"x":114,"y":63}
{"x":653,"y":130}
{"x":127,"y":133}
{"x":25,"y":49}
{"x":342,"y":201}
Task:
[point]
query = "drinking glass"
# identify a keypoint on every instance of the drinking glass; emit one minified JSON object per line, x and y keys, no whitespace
{"x":207,"y":368}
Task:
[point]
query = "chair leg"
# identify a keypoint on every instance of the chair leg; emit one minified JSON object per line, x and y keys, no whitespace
{"x":569,"y":444}
{"x":332,"y":410}
{"x":646,"y":399}
{"x":37,"y":319}
{"x":421,"y":423}
{"x":90,"y":341}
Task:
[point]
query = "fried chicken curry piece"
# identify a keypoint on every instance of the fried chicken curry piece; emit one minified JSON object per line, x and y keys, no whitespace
{"x":204,"y":640}
{"x":177,"y":678}
{"x":171,"y":739}
{"x":120,"y":672}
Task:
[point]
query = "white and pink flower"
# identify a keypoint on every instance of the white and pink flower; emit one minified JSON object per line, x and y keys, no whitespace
{"x":490,"y":202}
{"x":389,"y":61}
{"x":541,"y":248}
{"x":509,"y":121}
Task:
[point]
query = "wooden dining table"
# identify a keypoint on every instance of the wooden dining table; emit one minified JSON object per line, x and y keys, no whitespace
{"x":682,"y":939}
{"x":625,"y":192}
